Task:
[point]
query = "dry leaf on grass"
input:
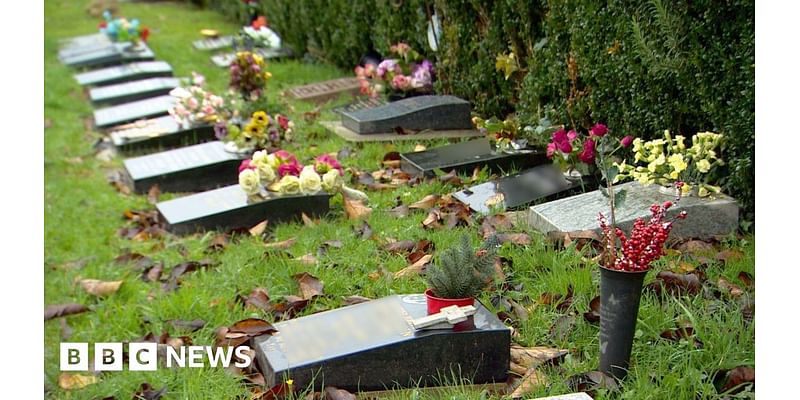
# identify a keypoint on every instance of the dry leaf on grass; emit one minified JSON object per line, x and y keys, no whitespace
{"x":100,"y":288}
{"x":355,"y":299}
{"x":532,"y":357}
{"x":530,"y":382}
{"x":310,"y":286}
{"x":62,"y":310}
{"x":307,"y":259}
{"x":416,"y":268}
{"x":70,"y":381}
{"x":355,"y":209}
{"x":259,"y":229}
{"x":426,"y":203}
{"x":282,"y":245}
{"x":307,"y":221}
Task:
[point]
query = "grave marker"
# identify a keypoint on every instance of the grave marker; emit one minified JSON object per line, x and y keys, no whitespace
{"x":374,"y":345}
{"x":83,"y":44}
{"x":320,"y":92}
{"x":158,"y":134}
{"x":225,"y":60}
{"x":415,"y":113}
{"x":214,"y":43}
{"x":465,"y":156}
{"x":707,"y":216}
{"x":122,"y":113}
{"x":189,"y":169}
{"x":118,"y":53}
{"x":134,"y":90}
{"x":124,"y":73}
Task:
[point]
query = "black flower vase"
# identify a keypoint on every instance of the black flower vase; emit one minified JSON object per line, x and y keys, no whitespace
{"x":620,"y":293}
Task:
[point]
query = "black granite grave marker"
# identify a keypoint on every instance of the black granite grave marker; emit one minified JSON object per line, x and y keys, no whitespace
{"x":540,"y":183}
{"x":124,"y":73}
{"x":189,"y":169}
{"x":228,"y":208}
{"x":160,"y":133}
{"x":361,"y":104}
{"x":373,"y":346}
{"x":119,"y":53}
{"x":122,"y":113}
{"x":416,"y":113}
{"x":465,"y":156}
{"x":134,"y":90}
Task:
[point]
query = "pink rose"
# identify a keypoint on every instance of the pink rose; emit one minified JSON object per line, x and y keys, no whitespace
{"x":292,"y":168}
{"x":192,"y":103}
{"x":360,"y":72}
{"x":285,"y":157}
{"x":588,"y":154}
{"x":551,"y":149}
{"x":572,"y":135}
{"x":598,"y":130}
{"x":246,"y":165}
{"x":626,"y":141}
{"x":325,"y":163}
{"x":561,"y":141}
{"x":283,"y":122}
{"x":369,"y":70}
{"x":401,"y":82}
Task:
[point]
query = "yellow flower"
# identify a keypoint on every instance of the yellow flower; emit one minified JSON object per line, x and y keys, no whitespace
{"x":253,"y":131}
{"x":260,"y":118}
{"x":660,"y":160}
{"x":267,"y":75}
{"x":679,"y":144}
{"x":677,"y":163}
{"x":703,"y":166}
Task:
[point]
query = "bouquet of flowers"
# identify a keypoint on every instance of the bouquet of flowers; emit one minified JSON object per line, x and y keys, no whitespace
{"x":249,"y":75}
{"x":122,"y":30}
{"x":258,"y":34}
{"x":572,"y":151}
{"x":408,"y":73}
{"x":260,"y":132}
{"x":280,"y":172}
{"x":506,"y":135}
{"x":196,"y":105}
{"x":663,"y":161}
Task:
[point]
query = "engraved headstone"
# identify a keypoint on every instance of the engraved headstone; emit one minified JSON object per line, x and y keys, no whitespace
{"x":134,"y":90}
{"x":119,"y":53}
{"x":158,"y":134}
{"x":127,"y":112}
{"x":214,"y":43}
{"x":224,"y":60}
{"x":374,"y":346}
{"x":415,"y":113}
{"x":520,"y":189}
{"x":228,"y":208}
{"x":124,"y":73}
{"x":188,"y":169}
{"x":465,"y":156}
{"x":707,"y":216}
{"x":320,"y":92}
{"x":360,"y":104}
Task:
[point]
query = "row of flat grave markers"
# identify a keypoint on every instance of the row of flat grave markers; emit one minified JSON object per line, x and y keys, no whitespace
{"x":123,"y":113}
{"x":133,"y":90}
{"x":124,"y":73}
{"x":116,"y":53}
{"x":157,"y":134}
{"x":225,"y":60}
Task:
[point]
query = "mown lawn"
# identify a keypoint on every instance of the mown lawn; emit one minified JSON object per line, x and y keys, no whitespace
{"x":83,"y":213}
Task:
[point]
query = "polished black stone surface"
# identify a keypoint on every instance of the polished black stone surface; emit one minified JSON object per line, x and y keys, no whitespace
{"x":124,"y":73}
{"x":228,"y":208}
{"x":415,"y":113}
{"x":465,"y":156}
{"x":373,"y":346}
{"x":521,"y":189}
{"x":118,"y":53}
{"x":158,"y":134}
{"x":127,"y":112}
{"x":132,"y":91}
{"x":189,"y":169}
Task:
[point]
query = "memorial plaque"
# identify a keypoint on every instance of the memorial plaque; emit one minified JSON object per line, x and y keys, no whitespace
{"x":84,"y":44}
{"x":228,"y":208}
{"x":570,"y":396}
{"x":225,"y":60}
{"x":124,"y":73}
{"x":215,"y":43}
{"x":415,"y":113}
{"x":521,"y":189}
{"x":189,"y":169}
{"x":119,"y":53}
{"x":707,"y":216}
{"x":160,"y":133}
{"x":465,"y":156}
{"x":134,"y":90}
{"x":374,"y":346}
{"x":361,"y":104}
{"x":320,"y":92}
{"x":350,"y":136}
{"x":122,"y":113}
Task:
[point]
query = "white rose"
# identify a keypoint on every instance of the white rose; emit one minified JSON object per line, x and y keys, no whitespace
{"x":260,"y":157}
{"x":250,"y":181}
{"x":289,"y":184}
{"x":310,"y":181}
{"x":266,"y":173}
{"x":332,"y":181}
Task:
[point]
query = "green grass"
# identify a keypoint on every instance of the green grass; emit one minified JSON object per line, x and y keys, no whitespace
{"x":83,"y":212}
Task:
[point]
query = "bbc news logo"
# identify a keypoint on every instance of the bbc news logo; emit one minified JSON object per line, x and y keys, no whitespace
{"x":144,"y":356}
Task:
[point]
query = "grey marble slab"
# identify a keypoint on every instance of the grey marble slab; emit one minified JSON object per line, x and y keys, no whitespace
{"x":124,"y":73}
{"x":133,"y":90}
{"x":415,"y":113}
{"x":127,"y":112}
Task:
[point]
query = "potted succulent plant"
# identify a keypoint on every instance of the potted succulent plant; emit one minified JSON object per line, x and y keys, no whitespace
{"x":459,"y":274}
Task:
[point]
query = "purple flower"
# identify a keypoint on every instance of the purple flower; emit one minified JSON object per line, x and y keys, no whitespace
{"x":421,"y":77}
{"x":220,"y":130}
{"x":388,"y":65}
{"x":598,"y":130}
{"x":626,"y":141}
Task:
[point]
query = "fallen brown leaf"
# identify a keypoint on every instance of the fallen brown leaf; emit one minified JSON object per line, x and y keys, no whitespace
{"x":257,"y":299}
{"x":332,"y":393}
{"x":730,"y":288}
{"x":400,"y":246}
{"x":218,"y":243}
{"x":251,"y":327}
{"x":100,"y":288}
{"x":153,"y":194}
{"x":676,"y":284}
{"x":355,"y":299}
{"x":415,"y":268}
{"x":147,"y":392}
{"x":426,"y":203}
{"x":746,"y":278}
{"x":532,"y":357}
{"x":355,"y":209}
{"x":259,"y":229}
{"x":70,"y":381}
{"x":310,"y":286}
{"x":307,"y":221}
{"x":732,"y":381}
{"x":532,"y":380}
{"x":593,"y":315}
{"x":282,"y":245}
{"x":62,"y":310}
{"x":522,"y":239}
{"x":729,"y":255}
{"x":153,"y":273}
{"x":400,"y":211}
{"x":363,"y":231}
{"x":192,"y":325}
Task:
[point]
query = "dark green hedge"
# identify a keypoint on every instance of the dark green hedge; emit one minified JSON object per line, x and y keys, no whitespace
{"x":639,"y":66}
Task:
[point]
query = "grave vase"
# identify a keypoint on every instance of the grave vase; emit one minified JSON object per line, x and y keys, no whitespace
{"x":620,"y":293}
{"x":435,"y":304}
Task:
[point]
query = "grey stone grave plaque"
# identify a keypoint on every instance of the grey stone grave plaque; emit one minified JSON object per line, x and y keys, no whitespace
{"x":225,"y":60}
{"x":374,"y":346}
{"x":134,"y":90}
{"x":188,"y":169}
{"x":158,"y":134}
{"x":124,"y":73}
{"x":119,"y":53}
{"x":320,"y":92}
{"x":361,"y":104}
{"x":83,"y":40}
{"x":122,"y":113}
{"x":465,"y":156}
{"x":570,"y":396}
{"x":416,"y":113}
{"x":707,"y":216}
{"x":520,"y":189}
{"x":228,"y":208}
{"x":84,"y":44}
{"x":215,"y":43}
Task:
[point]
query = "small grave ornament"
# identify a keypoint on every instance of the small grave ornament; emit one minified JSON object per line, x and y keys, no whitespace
{"x":446,"y":318}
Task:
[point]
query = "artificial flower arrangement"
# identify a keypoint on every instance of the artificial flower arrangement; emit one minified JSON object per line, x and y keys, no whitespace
{"x":195,"y":105}
{"x":280,"y":172}
{"x":408,"y":73}
{"x":249,"y":75}
{"x":663,"y":161}
{"x":262,"y":131}
{"x":574,"y":152}
{"x":259,"y":34}
{"x":122,"y":30}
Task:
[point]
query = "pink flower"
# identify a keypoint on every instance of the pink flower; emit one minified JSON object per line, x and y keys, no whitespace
{"x":401,"y":82}
{"x":400,"y":48}
{"x":360,"y":72}
{"x":364,"y":87}
{"x":598,"y":130}
{"x":192,"y":103}
{"x":388,"y":66}
{"x":292,"y":168}
{"x":246,"y":165}
{"x":283,"y":122}
{"x":626,"y":141}
{"x":588,"y":154}
{"x":561,"y":141}
{"x":572,"y":135}
{"x":285,"y":157}
{"x":551,"y":149}
{"x":325,"y":163}
{"x":369,"y":70}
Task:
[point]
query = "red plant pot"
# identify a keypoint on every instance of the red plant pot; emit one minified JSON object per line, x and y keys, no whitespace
{"x":437,"y":303}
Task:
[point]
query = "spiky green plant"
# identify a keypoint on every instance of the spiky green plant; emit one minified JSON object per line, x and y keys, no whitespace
{"x":461,"y":272}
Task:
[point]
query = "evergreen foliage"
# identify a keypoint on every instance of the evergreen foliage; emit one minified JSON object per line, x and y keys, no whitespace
{"x":461,"y":272}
